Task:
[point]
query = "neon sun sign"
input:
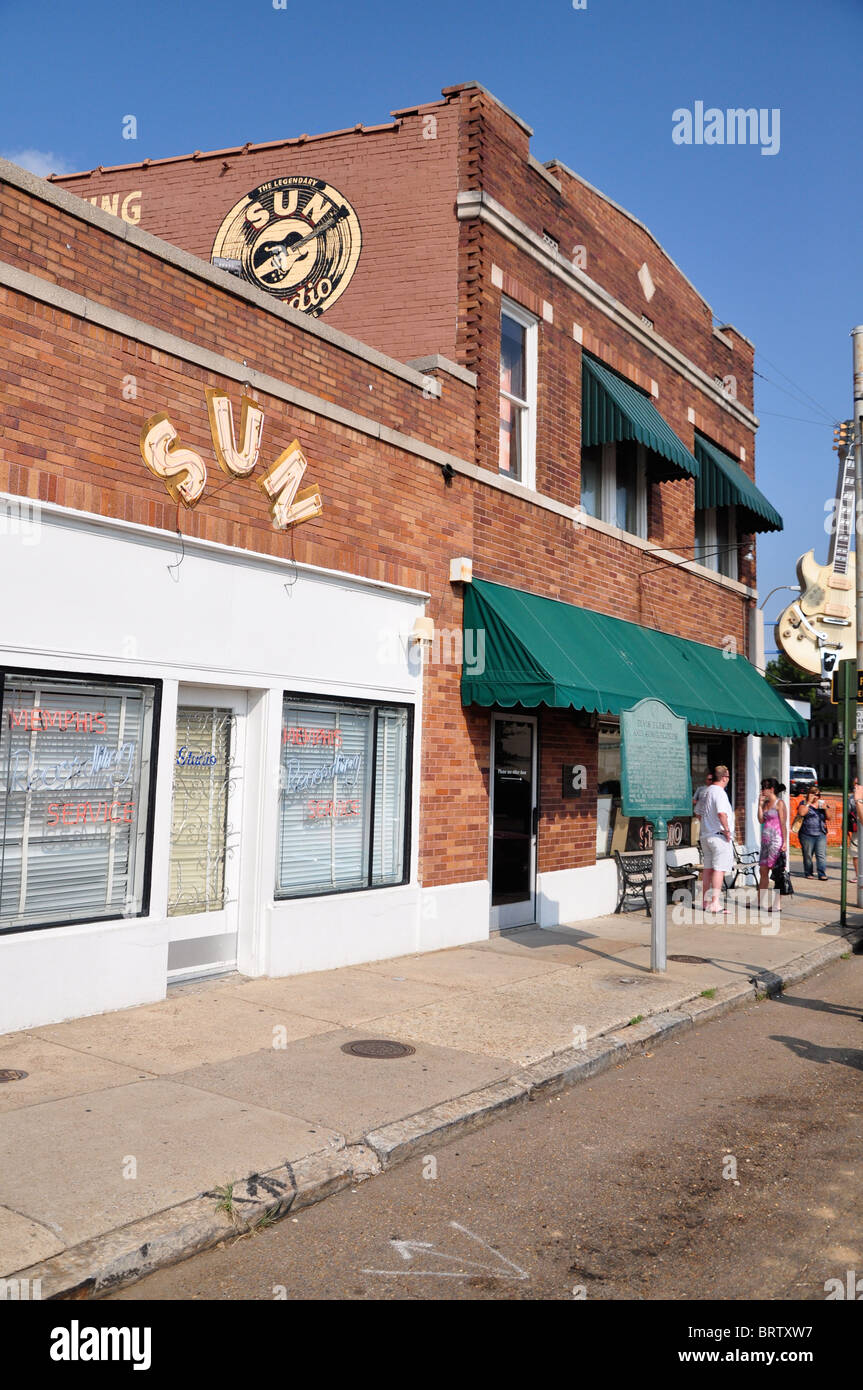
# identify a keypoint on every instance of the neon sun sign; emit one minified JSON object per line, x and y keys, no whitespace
{"x":184,"y":472}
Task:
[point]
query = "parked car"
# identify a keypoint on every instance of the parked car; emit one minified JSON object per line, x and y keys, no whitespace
{"x":802,"y":778}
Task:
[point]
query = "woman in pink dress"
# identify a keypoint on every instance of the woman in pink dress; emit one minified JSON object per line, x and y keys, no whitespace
{"x":773,"y":815}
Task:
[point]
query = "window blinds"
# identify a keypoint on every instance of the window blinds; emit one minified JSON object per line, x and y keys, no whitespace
{"x":74,"y":792}
{"x":342,"y":786}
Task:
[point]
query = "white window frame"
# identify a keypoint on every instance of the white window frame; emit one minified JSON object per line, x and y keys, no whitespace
{"x":527,"y":411}
{"x":712,"y":559}
{"x":608,"y":489}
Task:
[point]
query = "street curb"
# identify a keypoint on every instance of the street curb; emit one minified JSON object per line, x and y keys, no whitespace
{"x":123,"y":1256}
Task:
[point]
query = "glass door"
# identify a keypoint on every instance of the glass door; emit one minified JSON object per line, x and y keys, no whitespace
{"x":203,"y":888}
{"x":513,"y":821}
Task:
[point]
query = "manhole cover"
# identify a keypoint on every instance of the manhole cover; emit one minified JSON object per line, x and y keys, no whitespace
{"x":690,"y":960}
{"x":9,"y":1075}
{"x":378,"y":1048}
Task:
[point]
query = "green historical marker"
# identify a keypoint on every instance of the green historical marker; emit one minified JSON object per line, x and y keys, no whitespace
{"x":656,"y":784}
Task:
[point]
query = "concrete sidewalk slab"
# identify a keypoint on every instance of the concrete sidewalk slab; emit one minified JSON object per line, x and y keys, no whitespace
{"x":341,"y":997}
{"x":463,"y":968}
{"x":54,"y":1071}
{"x":24,"y":1242}
{"x":531,"y":1019}
{"x":182,"y":1031}
{"x":558,"y":947}
{"x":736,"y":945}
{"x":349,"y":1094}
{"x":183,"y":1141}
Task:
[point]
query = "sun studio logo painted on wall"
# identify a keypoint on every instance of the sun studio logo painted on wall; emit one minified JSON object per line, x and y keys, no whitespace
{"x":296,"y":238}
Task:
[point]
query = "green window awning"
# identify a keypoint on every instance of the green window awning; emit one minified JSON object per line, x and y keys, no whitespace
{"x":612,"y":410}
{"x":540,"y":651}
{"x":723,"y":483}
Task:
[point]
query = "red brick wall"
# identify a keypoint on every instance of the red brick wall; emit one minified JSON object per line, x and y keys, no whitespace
{"x":67,"y":435}
{"x":567,"y":826}
{"x":494,"y":157}
{"x":401,"y":184}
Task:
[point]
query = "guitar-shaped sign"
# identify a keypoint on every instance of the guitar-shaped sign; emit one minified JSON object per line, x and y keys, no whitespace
{"x":823,"y":617}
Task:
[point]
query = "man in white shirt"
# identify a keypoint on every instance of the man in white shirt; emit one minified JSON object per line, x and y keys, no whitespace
{"x":716,"y":837}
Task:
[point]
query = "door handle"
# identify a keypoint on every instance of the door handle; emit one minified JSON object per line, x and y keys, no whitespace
{"x":534,"y":820}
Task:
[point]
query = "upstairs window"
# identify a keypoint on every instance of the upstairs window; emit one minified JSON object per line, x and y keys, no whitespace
{"x":614,"y":485}
{"x":716,"y":540}
{"x":517,"y":431}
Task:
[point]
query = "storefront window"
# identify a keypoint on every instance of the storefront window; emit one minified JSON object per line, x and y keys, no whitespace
{"x":76,"y":758}
{"x":343,"y":797}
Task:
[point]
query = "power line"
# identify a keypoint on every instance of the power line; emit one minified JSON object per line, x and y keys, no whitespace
{"x":799,"y":400}
{"x":800,"y":418}
{"x":787,"y":378}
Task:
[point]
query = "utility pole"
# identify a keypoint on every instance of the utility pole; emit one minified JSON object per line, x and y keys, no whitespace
{"x":857,"y":336}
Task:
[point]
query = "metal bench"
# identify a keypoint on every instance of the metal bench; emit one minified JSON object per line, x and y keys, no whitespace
{"x":635,"y":876}
{"x":745,"y":865}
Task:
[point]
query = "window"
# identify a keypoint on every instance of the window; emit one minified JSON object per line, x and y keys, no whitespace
{"x":76,"y":771}
{"x":344,"y":797}
{"x":614,"y":485}
{"x":716,"y":540}
{"x":517,"y":433}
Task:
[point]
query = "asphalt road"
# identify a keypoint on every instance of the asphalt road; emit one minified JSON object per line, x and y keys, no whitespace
{"x":725,"y":1165}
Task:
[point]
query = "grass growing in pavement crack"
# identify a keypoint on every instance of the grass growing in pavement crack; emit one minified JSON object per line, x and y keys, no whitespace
{"x":639,"y":1018}
{"x":708,"y":993}
{"x":226,"y":1199}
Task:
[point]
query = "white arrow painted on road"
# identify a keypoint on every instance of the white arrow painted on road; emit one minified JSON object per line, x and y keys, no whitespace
{"x":408,"y":1248}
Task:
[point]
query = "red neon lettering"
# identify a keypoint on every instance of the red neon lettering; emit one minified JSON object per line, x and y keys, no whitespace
{"x":53,"y":810}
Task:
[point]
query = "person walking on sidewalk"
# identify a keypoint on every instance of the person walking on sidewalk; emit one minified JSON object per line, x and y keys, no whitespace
{"x":855,"y":810}
{"x":716,"y":837}
{"x":813,"y":831}
{"x":774,"y":834}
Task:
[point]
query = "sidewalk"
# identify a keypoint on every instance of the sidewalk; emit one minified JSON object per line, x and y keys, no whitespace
{"x":113,"y":1147}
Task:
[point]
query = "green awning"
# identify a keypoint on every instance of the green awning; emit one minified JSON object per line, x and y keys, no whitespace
{"x":612,"y":410}
{"x":539,"y":651}
{"x":723,"y":483}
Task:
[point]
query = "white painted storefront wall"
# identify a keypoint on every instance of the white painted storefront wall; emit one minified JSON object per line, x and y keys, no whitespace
{"x":108,"y":598}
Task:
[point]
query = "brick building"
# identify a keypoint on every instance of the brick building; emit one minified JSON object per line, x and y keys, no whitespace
{"x":336,"y":674}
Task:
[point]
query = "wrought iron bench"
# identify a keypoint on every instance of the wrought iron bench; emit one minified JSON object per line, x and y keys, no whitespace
{"x":745,"y":864}
{"x":635,"y":876}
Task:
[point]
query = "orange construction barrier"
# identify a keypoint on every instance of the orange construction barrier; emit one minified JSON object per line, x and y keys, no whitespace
{"x":834,"y":818}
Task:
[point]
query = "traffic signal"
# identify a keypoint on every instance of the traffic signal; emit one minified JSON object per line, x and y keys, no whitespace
{"x":837,"y":686}
{"x":843,"y":434}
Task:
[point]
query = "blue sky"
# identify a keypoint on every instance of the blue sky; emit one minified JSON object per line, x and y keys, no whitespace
{"x":772,"y":242}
